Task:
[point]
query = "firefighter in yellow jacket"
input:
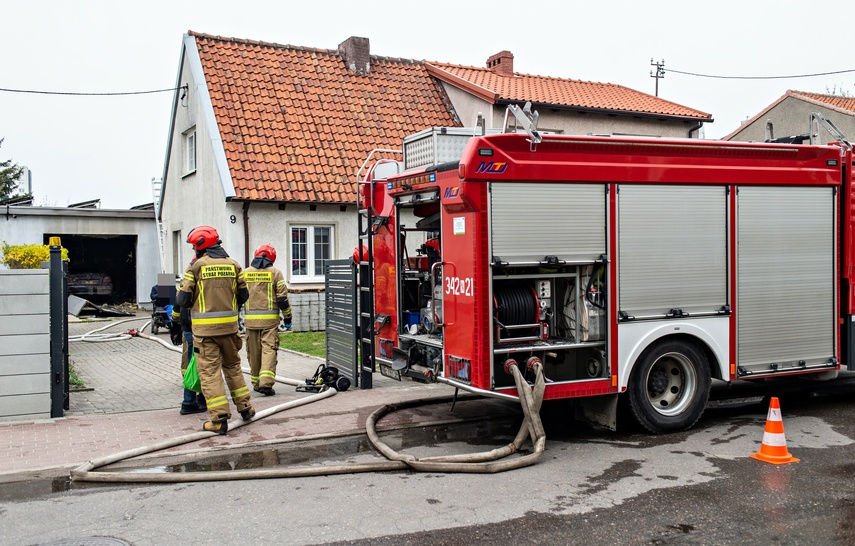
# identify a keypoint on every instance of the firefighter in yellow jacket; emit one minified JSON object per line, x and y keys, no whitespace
{"x":267,"y":297}
{"x":213,"y":289}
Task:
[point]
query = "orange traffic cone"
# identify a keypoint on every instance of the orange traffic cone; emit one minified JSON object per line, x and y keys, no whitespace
{"x":773,"y":449}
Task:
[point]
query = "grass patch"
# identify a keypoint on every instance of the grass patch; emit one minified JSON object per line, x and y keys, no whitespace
{"x":311,"y":343}
{"x":73,"y":378}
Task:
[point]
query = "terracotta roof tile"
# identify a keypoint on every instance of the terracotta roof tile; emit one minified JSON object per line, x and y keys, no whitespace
{"x":296,"y":124}
{"x":844,"y":105}
{"x":492,"y":86}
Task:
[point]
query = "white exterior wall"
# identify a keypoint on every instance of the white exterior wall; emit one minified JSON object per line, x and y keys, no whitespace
{"x":27,"y":225}
{"x":570,"y":122}
{"x":268,"y":224}
{"x":191,"y":200}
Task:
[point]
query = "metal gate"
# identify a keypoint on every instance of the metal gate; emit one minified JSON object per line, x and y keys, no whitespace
{"x":342,"y":325}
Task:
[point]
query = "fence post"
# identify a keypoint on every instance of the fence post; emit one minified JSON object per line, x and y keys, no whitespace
{"x":58,"y":332}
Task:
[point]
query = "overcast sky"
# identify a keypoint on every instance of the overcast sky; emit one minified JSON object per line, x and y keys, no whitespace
{"x":110,"y":148}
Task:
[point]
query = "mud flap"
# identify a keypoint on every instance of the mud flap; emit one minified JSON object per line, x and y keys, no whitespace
{"x":598,"y":410}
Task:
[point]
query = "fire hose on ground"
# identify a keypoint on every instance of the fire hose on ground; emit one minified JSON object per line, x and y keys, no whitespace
{"x":531,"y":398}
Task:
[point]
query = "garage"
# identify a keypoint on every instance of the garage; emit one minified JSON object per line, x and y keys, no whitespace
{"x":108,"y":259}
{"x":122,"y":245}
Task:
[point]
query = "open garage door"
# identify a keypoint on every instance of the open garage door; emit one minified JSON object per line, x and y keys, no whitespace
{"x":113,"y":256}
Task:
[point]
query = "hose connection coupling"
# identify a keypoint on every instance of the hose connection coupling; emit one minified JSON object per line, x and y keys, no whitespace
{"x":532,"y":362}
{"x":507,"y":365}
{"x":133,"y":332}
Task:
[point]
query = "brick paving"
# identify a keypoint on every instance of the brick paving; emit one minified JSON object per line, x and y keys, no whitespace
{"x":135,"y":397}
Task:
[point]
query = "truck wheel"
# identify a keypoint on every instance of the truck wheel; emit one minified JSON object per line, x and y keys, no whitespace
{"x":669,"y":386}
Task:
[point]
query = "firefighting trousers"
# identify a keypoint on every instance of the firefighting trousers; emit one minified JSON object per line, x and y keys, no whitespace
{"x":218,"y":357}
{"x":262,"y":350}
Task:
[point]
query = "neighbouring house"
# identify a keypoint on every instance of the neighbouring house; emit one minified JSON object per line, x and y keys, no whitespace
{"x":565,"y":106}
{"x":266,"y":140}
{"x":789,"y":116}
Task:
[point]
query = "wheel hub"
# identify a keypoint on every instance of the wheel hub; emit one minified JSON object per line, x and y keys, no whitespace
{"x":658,"y":382}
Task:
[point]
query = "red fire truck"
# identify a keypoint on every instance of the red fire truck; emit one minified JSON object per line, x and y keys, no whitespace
{"x":636,"y":268}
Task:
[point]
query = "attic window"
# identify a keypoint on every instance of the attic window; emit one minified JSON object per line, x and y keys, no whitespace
{"x":189,"y":151}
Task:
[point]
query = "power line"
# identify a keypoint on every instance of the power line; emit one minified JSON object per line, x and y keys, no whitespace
{"x":756,"y":77}
{"x":92,"y":94}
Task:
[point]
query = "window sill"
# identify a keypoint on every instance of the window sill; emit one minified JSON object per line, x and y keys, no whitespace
{"x":191,"y":173}
{"x":307,"y":282}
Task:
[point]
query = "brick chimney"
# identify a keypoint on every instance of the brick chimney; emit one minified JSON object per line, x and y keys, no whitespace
{"x":356,"y":53}
{"x":502,"y":63}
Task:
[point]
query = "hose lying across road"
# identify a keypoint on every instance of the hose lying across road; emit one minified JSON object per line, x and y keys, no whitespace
{"x":531,"y":398}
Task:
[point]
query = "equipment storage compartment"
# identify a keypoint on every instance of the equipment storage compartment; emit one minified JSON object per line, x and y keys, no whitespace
{"x":553,"y":314}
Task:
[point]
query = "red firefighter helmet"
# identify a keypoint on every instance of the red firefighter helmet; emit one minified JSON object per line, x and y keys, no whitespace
{"x":267,"y":251}
{"x":203,"y":237}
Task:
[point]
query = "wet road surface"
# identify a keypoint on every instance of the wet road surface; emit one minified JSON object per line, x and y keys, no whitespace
{"x":591,"y":486}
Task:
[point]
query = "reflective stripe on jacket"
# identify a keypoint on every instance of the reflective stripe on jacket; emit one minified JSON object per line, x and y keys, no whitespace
{"x":265,"y":286}
{"x":213,"y":284}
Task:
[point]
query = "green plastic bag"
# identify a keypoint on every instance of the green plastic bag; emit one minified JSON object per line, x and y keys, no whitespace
{"x":191,"y":376}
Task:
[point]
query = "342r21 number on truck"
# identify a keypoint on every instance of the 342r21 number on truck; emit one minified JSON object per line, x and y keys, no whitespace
{"x":628,"y":267}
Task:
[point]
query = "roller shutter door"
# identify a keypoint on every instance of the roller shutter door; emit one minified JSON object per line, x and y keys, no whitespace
{"x":672,"y":249}
{"x":785,"y":260}
{"x":530,"y":221}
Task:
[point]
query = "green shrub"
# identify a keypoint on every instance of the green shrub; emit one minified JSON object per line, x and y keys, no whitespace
{"x":27,"y":256}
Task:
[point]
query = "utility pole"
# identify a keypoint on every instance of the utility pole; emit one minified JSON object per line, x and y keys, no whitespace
{"x":659,"y":73}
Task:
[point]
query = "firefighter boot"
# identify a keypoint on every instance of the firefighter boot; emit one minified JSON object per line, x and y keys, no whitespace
{"x":187,"y":410}
{"x":220,"y":427}
{"x":248,"y":413}
{"x":266,"y":391}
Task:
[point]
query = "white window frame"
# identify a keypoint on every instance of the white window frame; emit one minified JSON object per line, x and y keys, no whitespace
{"x":311,"y":275}
{"x":189,"y":151}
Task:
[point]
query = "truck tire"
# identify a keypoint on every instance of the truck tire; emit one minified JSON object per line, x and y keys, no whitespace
{"x":669,"y":386}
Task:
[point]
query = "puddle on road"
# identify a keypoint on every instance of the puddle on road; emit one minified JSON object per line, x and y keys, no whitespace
{"x":476,"y":436}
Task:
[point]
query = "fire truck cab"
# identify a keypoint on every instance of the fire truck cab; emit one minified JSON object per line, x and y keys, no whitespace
{"x":631,"y":267}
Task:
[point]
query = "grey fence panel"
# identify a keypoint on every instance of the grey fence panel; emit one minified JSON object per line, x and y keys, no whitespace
{"x":342,"y":325}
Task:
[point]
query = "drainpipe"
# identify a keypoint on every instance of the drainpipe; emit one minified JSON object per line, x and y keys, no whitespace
{"x":695,"y":128}
{"x":246,"y":233}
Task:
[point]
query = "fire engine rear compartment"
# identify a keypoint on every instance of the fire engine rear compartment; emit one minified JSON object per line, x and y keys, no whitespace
{"x":648,"y":285}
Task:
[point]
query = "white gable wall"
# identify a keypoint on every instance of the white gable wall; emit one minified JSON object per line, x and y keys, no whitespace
{"x":198,"y":198}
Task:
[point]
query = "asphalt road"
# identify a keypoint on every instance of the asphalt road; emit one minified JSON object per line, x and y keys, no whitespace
{"x":591,"y":486}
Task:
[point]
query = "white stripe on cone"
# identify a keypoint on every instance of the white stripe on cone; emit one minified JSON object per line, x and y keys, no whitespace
{"x":774,"y":414}
{"x":776,"y":439}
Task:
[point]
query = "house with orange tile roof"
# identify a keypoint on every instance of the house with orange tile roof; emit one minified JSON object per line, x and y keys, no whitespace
{"x":265,"y":140}
{"x":790,"y":115}
{"x":565,"y":106}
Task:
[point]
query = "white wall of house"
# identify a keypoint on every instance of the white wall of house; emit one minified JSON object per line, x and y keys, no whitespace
{"x":268,"y":224}
{"x":24,"y":225}
{"x":194,"y":198}
{"x":790,"y":117}
{"x":570,"y":122}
